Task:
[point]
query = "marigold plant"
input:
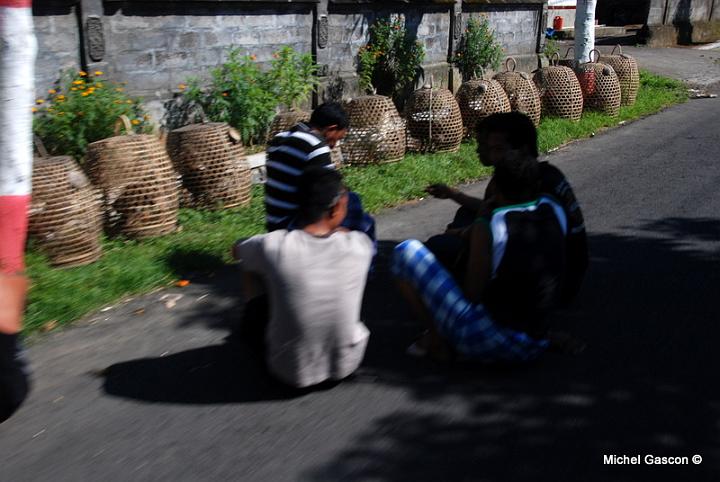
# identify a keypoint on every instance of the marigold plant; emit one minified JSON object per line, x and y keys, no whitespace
{"x":83,"y":108}
{"x":391,"y":60}
{"x":478,"y":48}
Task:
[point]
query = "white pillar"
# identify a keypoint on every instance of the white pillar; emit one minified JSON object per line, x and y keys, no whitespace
{"x":584,"y":29}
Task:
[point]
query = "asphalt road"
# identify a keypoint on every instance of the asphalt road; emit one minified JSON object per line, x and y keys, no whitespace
{"x":147,"y":391}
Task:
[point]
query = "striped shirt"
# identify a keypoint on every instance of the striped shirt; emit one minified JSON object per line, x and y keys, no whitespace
{"x":288,"y":155}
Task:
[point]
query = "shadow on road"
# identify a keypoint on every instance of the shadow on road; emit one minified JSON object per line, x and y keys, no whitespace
{"x":645,"y":385}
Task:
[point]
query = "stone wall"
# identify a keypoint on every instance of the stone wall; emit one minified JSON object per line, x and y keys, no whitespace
{"x":154,"y":46}
{"x":682,"y":21}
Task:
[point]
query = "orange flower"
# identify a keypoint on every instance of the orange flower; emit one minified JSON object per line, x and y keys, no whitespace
{"x":52,"y":91}
{"x":224,"y":94}
{"x":182,"y":86}
{"x":79,"y":82}
{"x":253,"y":57}
{"x":85,"y":94}
{"x":82,"y":73}
{"x":34,"y":109}
{"x":182,"y":283}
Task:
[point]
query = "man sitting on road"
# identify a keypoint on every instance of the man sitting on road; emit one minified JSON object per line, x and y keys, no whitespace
{"x":512,"y":138}
{"x":305,"y":146}
{"x":512,"y":269}
{"x":315,"y":276}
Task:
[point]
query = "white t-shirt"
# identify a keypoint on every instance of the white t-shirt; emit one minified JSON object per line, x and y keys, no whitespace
{"x":316,"y":287}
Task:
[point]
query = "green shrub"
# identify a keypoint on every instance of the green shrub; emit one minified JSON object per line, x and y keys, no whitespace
{"x":391,"y":59}
{"x":240,"y":94}
{"x":292,"y":77}
{"x":81,"y":109}
{"x":477,"y":48}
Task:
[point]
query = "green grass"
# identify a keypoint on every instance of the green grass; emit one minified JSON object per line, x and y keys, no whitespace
{"x":131,"y":267}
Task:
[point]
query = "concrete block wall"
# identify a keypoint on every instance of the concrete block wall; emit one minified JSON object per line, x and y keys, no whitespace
{"x":682,"y":21}
{"x":155,"y":46}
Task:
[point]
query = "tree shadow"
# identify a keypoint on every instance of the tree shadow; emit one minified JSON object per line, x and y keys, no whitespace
{"x":649,"y":312}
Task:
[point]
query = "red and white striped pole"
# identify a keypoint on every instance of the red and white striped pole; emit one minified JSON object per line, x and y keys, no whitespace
{"x":17,"y":73}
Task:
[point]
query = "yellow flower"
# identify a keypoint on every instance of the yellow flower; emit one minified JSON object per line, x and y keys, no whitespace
{"x":99,"y":85}
{"x":85,"y":94}
{"x":98,"y":73}
{"x":119,"y":89}
{"x":40,"y":101}
{"x":135,"y":122}
{"x":82,"y":73}
{"x":52,"y":91}
{"x":182,"y":86}
{"x":60,"y":97}
{"x":34,"y":109}
{"x":73,"y":88}
{"x":78,"y":82}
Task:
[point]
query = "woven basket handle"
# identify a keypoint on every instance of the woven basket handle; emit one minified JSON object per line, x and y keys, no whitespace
{"x":507,"y":64}
{"x":555,"y":57}
{"x":597,"y":56}
{"x":40,"y":146}
{"x":482,"y":73}
{"x":618,"y":46}
{"x":568,"y":51}
{"x":125,"y":122}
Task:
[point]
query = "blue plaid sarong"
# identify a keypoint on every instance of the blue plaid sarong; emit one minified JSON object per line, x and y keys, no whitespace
{"x":357,"y":219}
{"x":467,"y":326}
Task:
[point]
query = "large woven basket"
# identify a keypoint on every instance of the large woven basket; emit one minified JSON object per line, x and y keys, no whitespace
{"x":478,"y":98}
{"x":65,"y":218}
{"x":377,"y":132}
{"x":285,"y":121}
{"x":434,"y":121}
{"x":521,"y":91}
{"x":560,"y":91}
{"x":569,"y":61}
{"x":212,"y":163}
{"x":626,"y":68}
{"x":139,"y":184}
{"x":600,"y":86}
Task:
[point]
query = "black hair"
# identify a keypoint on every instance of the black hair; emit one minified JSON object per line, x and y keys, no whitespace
{"x":518,"y":129}
{"x":518,"y":181}
{"x":319,"y":190}
{"x":329,"y":114}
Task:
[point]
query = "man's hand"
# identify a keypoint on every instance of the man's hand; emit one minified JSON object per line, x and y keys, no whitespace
{"x":441,"y":191}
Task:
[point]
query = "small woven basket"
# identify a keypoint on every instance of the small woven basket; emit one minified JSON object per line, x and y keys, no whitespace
{"x":478,"y":98}
{"x":376,"y":134}
{"x":559,"y":90}
{"x":434,"y":121}
{"x":600,"y":86}
{"x":139,"y":184}
{"x":521,"y":91}
{"x":626,"y":68}
{"x":212,"y":163}
{"x":65,"y":218}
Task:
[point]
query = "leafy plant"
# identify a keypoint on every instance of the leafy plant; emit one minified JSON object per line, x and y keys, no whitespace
{"x":551,"y":47}
{"x":292,"y":76}
{"x":477,"y":48}
{"x":240,"y":94}
{"x":83,"y":108}
{"x":391,"y":59}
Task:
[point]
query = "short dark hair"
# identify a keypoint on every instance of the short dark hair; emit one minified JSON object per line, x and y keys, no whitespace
{"x":329,"y":114}
{"x":518,"y":129}
{"x":518,"y":181}
{"x":319,"y":190}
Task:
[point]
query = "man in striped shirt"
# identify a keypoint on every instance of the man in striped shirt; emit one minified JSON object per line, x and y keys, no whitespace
{"x":293,"y":151}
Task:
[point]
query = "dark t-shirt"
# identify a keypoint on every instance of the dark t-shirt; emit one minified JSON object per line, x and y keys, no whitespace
{"x":554,"y":183}
{"x":13,"y":376}
{"x":528,"y":264}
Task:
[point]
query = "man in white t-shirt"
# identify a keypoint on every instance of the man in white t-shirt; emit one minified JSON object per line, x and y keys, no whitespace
{"x":315,"y":277}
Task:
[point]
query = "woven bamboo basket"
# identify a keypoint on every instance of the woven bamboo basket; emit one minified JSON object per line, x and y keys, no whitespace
{"x":285,"y":121}
{"x":434,"y":121}
{"x":65,"y":218}
{"x":212,"y":163}
{"x":139,"y":184}
{"x":559,"y":90}
{"x":479,"y":98}
{"x":600,"y":86}
{"x":521,"y":91}
{"x":569,"y":61}
{"x":626,"y":68}
{"x":376,"y":134}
